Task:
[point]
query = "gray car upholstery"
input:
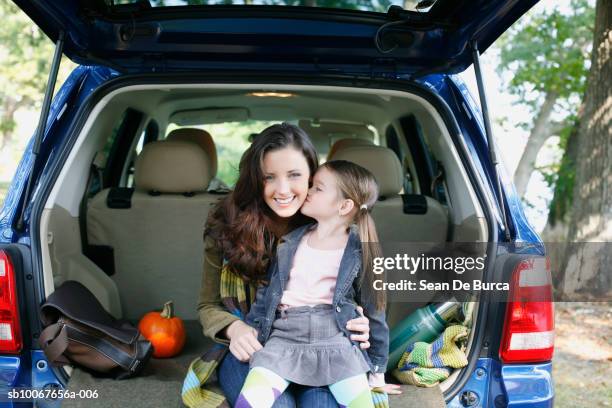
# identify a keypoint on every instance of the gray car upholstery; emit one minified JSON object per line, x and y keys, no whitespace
{"x":158,"y":245}
{"x":392,"y":224}
{"x":346,"y":143}
{"x":200,"y":137}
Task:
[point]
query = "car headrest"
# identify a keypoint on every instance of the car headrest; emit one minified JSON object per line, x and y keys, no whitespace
{"x":381,"y":161}
{"x":172,"y":167}
{"x":346,"y":143}
{"x":323,"y":133}
{"x":202,"y":138}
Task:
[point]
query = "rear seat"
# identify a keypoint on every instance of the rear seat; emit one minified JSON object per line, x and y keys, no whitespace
{"x":426,"y":220}
{"x":157,"y":239}
{"x":346,"y":143}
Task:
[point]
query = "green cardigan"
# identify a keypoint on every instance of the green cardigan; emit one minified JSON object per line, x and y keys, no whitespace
{"x":214,"y":317}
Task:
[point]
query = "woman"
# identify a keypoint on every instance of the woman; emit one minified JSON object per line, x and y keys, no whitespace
{"x":240,"y":238}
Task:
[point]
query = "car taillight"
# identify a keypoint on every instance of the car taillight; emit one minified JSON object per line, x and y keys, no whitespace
{"x":528,"y":334}
{"x":10,"y":328}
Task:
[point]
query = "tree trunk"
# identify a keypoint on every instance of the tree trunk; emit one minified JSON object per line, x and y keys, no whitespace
{"x":586,"y":267}
{"x":538,"y":136}
{"x":560,"y":209}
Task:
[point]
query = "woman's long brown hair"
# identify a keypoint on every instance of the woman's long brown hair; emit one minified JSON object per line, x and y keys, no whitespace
{"x":359,"y":185}
{"x":241,"y":223}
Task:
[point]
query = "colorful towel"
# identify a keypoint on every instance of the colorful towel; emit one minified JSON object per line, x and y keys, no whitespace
{"x":426,"y":365}
{"x":380,"y":398}
{"x":233,"y":291}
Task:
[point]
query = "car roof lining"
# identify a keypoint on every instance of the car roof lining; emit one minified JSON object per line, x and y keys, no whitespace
{"x":307,"y":104}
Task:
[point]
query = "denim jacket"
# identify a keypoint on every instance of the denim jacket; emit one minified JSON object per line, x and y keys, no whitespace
{"x":346,"y":297}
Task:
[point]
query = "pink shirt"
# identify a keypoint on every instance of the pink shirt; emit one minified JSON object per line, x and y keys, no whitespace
{"x":312,"y":279}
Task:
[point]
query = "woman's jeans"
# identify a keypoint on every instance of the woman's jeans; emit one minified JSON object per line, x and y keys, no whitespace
{"x":232,"y":374}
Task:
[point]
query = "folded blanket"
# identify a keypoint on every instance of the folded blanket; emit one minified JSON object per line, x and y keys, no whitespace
{"x":426,"y":365}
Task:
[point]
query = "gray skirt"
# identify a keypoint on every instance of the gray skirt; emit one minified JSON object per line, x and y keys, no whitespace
{"x":307,"y":347}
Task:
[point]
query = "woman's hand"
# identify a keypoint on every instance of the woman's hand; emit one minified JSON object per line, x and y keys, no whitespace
{"x":361,"y":325}
{"x":243,"y":340}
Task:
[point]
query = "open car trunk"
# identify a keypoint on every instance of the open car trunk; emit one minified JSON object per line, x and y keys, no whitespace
{"x":160,"y":383}
{"x":141,"y":255}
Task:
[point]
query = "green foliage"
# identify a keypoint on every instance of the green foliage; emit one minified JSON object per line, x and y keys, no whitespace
{"x":25,"y":60}
{"x":549,"y":52}
{"x":232,"y":139}
{"x":562,"y":177}
{"x":25,"y":55}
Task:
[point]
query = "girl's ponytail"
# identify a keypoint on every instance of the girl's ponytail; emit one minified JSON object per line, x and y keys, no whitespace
{"x":370,"y":249}
{"x":359,"y":185}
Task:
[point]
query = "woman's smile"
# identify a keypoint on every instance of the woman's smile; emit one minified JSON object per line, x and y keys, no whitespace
{"x":284,"y":201}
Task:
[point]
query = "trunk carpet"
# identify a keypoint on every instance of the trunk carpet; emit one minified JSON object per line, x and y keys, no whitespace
{"x":159,"y":385}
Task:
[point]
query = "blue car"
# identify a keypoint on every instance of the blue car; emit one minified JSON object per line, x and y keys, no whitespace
{"x":371,"y":84}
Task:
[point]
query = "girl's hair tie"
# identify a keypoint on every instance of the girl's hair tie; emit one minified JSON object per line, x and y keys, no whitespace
{"x":363,"y":207}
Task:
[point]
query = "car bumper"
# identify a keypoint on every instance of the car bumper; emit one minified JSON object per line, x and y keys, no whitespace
{"x":495,"y":385}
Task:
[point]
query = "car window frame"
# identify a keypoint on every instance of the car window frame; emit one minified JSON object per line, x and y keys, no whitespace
{"x":123,"y":145}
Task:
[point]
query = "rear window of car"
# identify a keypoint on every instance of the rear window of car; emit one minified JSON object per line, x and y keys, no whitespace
{"x":380,"y":6}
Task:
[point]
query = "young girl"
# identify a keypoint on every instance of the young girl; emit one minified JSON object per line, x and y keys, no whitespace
{"x":321,"y":272}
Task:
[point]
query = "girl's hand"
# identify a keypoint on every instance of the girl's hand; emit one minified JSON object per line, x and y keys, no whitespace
{"x":361,"y":325}
{"x":243,"y":340}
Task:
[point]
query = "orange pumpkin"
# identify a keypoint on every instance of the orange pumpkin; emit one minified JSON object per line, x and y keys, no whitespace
{"x":165,"y":331}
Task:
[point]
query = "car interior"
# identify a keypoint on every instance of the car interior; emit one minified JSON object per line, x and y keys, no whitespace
{"x":127,"y":212}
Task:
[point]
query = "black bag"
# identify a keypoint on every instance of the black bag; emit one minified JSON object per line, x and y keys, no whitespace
{"x":79,"y":331}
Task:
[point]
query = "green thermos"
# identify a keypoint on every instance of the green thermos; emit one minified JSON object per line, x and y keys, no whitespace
{"x":424,"y":324}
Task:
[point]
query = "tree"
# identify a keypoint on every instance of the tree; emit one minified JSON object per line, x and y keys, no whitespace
{"x":560,"y":209}
{"x":548,"y":58}
{"x":25,"y":60}
{"x":21,"y":66}
{"x":586,"y":265}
